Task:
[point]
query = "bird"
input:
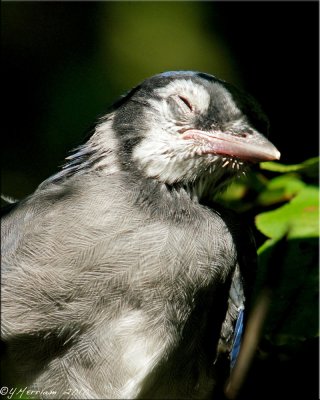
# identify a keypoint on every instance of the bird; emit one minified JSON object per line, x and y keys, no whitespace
{"x":121,"y":276}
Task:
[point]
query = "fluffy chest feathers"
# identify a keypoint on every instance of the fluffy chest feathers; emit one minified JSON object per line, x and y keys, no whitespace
{"x":116,"y":226}
{"x":127,"y":279}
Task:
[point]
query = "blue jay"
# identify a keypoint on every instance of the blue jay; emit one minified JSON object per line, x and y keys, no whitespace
{"x":120,"y":277}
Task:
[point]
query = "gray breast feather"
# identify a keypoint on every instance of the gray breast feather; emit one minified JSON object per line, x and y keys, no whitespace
{"x":104,"y":291}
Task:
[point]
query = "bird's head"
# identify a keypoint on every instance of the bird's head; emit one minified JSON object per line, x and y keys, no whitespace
{"x":182,"y":127}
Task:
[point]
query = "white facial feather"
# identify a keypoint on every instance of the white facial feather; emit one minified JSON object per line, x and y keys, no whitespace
{"x":168,"y":158}
{"x":196,"y":94}
{"x":163,"y":154}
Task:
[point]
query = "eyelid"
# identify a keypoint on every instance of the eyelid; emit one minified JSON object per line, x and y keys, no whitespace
{"x":186,"y":102}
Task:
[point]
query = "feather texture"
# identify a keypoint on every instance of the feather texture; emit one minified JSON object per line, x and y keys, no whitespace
{"x":119,"y":278}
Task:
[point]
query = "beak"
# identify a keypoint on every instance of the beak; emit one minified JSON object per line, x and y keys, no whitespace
{"x":252,"y":147}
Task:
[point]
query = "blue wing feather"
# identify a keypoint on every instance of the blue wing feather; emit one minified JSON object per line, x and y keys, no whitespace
{"x":238,"y":330}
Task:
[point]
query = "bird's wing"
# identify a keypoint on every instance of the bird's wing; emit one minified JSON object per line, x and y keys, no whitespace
{"x":241,"y":284}
{"x":231,"y":332}
{"x":238,"y":330}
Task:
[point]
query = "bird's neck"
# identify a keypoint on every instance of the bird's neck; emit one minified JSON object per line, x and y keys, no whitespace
{"x":99,"y":154}
{"x":174,"y":202}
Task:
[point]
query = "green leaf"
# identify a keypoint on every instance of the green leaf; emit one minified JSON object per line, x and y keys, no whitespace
{"x":280,"y":189}
{"x":310,"y":167}
{"x":288,"y":259}
{"x":299,"y":217}
{"x":288,"y":263}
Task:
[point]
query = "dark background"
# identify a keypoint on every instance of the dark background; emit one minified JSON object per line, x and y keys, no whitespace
{"x":64,"y":63}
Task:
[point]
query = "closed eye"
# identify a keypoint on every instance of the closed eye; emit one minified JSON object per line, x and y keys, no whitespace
{"x":186,"y":102}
